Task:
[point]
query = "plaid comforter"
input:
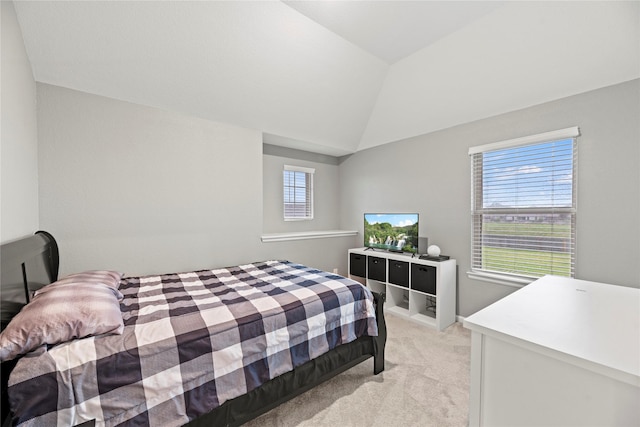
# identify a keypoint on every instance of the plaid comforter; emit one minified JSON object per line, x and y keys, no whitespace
{"x":191,"y":342}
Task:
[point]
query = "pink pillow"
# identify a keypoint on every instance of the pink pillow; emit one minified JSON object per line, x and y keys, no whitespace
{"x":109,"y":278}
{"x":62,"y":311}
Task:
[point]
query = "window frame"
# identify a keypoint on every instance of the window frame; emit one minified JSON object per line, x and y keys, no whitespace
{"x":477,"y":267}
{"x":308,"y":203}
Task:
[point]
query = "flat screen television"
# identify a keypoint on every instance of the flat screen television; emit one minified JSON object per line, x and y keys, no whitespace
{"x":396,"y":232}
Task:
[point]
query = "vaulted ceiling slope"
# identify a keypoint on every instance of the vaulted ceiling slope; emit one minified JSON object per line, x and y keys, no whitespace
{"x":333,"y":77}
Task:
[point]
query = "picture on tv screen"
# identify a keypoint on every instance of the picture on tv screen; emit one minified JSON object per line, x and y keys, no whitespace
{"x":391,"y":231}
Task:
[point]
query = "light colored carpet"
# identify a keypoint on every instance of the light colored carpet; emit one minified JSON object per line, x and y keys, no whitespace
{"x":425,"y":383}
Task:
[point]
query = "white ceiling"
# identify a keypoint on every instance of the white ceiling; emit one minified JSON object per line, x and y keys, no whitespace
{"x":392,"y":30}
{"x":333,"y":77}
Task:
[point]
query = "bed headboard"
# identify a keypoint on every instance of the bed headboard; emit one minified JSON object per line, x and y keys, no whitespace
{"x":26,"y":265}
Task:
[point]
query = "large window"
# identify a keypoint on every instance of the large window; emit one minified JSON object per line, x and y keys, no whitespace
{"x":524,"y":207}
{"x":298,"y":192}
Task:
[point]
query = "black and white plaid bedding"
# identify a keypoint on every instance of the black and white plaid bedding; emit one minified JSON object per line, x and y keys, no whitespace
{"x":191,"y":342}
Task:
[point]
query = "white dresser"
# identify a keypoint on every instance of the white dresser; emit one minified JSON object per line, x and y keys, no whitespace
{"x":558,"y":352}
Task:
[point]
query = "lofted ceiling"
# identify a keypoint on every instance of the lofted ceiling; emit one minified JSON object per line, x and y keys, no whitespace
{"x":333,"y":77}
{"x":392,"y":30}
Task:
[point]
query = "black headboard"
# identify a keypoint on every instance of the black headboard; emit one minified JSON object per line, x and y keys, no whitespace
{"x":26,"y":265}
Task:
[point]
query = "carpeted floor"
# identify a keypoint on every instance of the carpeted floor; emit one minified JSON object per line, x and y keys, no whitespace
{"x":425,"y":383}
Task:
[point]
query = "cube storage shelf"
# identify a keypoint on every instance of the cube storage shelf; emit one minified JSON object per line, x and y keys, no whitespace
{"x":421,"y":290}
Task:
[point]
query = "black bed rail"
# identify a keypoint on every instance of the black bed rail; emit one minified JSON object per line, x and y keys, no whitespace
{"x":380,"y":341}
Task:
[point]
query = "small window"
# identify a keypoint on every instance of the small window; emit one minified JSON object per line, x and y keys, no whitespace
{"x":298,"y":193}
{"x":524,"y":207}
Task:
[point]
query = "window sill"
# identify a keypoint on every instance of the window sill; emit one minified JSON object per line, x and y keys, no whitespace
{"x":500,"y":279}
{"x":306,"y":235}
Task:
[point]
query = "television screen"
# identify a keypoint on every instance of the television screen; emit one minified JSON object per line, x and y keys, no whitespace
{"x":396,"y":232}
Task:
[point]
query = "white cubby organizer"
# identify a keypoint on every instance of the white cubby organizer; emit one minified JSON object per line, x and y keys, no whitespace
{"x":418,"y":289}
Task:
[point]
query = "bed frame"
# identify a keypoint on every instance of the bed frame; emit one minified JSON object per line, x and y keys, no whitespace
{"x":26,"y":265}
{"x":31,"y":263}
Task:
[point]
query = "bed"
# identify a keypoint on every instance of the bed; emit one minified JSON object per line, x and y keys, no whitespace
{"x":259,"y":349}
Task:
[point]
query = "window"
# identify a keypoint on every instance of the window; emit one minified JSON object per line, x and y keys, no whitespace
{"x":524,"y":207}
{"x":298,"y":193}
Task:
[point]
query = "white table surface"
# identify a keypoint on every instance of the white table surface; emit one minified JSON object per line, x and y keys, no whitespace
{"x":596,"y":325}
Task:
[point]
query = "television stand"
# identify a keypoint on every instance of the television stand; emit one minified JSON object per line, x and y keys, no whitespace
{"x":413,"y":286}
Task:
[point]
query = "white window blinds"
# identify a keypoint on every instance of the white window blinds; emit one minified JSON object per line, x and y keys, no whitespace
{"x":298,"y":192}
{"x":524,"y":206}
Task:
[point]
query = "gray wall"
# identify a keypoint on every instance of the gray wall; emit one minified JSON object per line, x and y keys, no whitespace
{"x":326,"y":215}
{"x":19,"y":134}
{"x":145,"y":191}
{"x":430,"y":174}
{"x":326,"y":253}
